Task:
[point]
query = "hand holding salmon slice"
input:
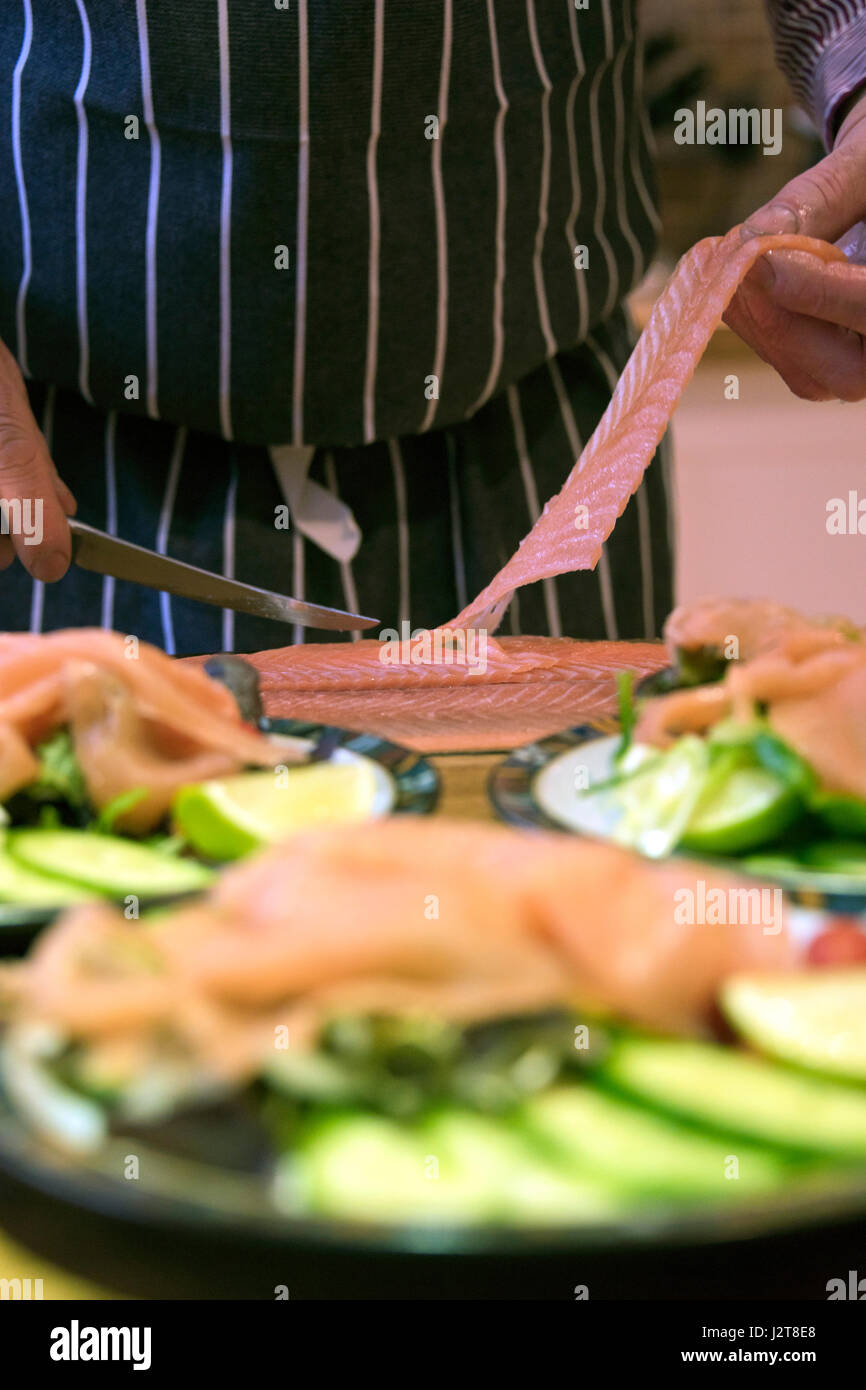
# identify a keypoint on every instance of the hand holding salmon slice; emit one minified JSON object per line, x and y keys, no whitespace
{"x":574,"y":525}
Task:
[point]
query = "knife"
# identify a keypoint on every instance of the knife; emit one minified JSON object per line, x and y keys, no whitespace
{"x":104,"y":554}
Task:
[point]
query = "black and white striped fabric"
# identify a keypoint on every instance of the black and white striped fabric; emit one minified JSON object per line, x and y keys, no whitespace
{"x":398,"y":234}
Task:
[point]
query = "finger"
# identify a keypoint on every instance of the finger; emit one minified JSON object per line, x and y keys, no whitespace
{"x":794,"y":375}
{"x":33,"y":514}
{"x":831,"y":290}
{"x":64,"y":496}
{"x":817,"y":360}
{"x":822,"y":202}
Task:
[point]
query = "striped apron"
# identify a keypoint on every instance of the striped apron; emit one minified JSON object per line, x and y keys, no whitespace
{"x":327,"y":296}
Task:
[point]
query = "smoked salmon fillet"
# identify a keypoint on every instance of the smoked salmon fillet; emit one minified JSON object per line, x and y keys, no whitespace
{"x":574,"y":525}
{"x":535,"y":686}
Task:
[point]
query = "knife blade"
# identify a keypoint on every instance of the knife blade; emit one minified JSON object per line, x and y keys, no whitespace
{"x":97,"y":551}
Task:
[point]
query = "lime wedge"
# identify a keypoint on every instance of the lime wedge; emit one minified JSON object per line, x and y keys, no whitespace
{"x":749,"y":808}
{"x":816,"y":1019}
{"x":227,"y":818}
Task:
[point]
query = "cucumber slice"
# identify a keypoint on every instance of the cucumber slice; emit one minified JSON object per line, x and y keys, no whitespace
{"x":31,"y":889}
{"x":369,"y":1168}
{"x":647,"y":1152}
{"x":106,"y":863}
{"x":750,"y":807}
{"x":455,"y":1166}
{"x":815,"y":1019}
{"x":522,"y":1182}
{"x":729,"y":1090}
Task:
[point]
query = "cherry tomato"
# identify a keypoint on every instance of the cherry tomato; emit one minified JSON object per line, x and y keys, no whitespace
{"x":842,"y":944}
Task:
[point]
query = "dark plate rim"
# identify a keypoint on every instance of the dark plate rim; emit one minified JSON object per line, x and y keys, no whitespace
{"x":807,"y":1204}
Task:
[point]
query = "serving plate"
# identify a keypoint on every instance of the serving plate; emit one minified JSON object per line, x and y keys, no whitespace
{"x":406,"y":784}
{"x":196,"y":1212}
{"x":537,"y":786}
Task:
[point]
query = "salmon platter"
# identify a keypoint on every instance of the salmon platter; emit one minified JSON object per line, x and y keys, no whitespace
{"x":431,"y":1023}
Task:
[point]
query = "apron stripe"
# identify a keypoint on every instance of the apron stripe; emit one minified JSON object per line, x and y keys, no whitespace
{"x":544,"y":188}
{"x":303,"y":206}
{"x":645,"y":538}
{"x":81,"y":209}
{"x":575,"y":444}
{"x":225,"y":284}
{"x":163,"y":531}
{"x":26,"y":248}
{"x":350,"y":593}
{"x":501,"y":206}
{"x":108,"y":582}
{"x":533,"y":506}
{"x":619,"y":169}
{"x":152,"y":210}
{"x":402,"y":527}
{"x":576,"y":191}
{"x":37,"y":598}
{"x":441,"y":221}
{"x":375,"y":231}
{"x":598,"y":164}
{"x":642,"y":124}
{"x":228,"y":566}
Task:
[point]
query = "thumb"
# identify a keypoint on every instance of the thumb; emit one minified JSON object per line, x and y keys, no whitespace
{"x":33,"y":503}
{"x":824,"y":201}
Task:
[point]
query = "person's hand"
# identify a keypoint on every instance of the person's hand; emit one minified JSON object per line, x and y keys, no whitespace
{"x":806,"y":317}
{"x":33,"y":521}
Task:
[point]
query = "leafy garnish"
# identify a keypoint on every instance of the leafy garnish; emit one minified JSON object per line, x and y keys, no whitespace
{"x":403,"y":1066}
{"x":167,"y":844}
{"x":627,"y":714}
{"x":111,"y":814}
{"x":60,"y":777}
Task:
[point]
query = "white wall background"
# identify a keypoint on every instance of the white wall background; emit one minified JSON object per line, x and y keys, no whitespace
{"x":753,"y":477}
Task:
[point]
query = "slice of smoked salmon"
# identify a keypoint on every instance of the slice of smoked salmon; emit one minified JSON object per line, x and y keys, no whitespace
{"x":740,"y":629}
{"x":574,"y":525}
{"x":138,"y":719}
{"x":327,"y":923}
